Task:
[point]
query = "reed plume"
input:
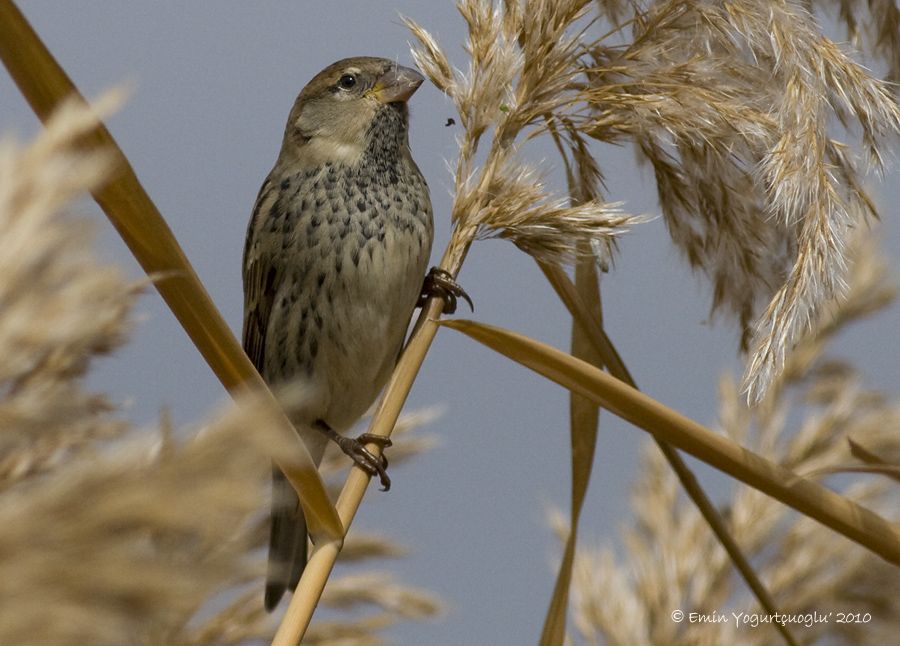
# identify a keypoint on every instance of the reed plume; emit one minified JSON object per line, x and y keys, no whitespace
{"x":737,"y":108}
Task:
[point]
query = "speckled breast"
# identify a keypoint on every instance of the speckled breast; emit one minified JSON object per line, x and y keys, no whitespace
{"x":356,"y":243}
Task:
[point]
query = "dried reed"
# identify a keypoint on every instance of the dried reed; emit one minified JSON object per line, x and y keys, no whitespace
{"x":729,"y":102}
{"x":670,"y":562}
{"x":734,"y":105}
{"x":47,"y":342}
{"x":102,"y":533}
{"x":523,"y":77}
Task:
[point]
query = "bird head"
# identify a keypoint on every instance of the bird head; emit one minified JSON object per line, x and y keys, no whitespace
{"x":340,"y":111}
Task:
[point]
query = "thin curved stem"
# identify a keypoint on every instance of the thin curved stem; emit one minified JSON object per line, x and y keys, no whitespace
{"x":597,"y":336}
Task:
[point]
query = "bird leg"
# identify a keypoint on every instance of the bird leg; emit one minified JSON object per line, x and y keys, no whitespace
{"x":439,"y":283}
{"x":356,"y":449}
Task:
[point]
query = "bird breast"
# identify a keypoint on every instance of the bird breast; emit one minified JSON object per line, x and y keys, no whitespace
{"x":354,"y":242}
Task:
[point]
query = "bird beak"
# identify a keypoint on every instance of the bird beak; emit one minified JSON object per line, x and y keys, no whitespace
{"x":397,"y":84}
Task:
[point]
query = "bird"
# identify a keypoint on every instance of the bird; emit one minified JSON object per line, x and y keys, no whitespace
{"x":333,"y":267}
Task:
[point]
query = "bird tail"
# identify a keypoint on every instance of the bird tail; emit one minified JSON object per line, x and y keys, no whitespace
{"x":287,"y":540}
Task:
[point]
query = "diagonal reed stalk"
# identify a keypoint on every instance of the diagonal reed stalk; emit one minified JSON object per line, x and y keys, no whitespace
{"x":45,"y":85}
{"x":809,"y":498}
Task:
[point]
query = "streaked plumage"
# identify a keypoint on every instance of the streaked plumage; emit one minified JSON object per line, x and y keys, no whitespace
{"x":336,"y":251}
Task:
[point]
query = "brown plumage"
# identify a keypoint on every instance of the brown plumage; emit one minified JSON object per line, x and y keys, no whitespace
{"x":336,"y":250}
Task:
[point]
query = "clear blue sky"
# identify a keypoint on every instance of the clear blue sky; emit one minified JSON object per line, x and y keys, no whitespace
{"x":213,"y":84}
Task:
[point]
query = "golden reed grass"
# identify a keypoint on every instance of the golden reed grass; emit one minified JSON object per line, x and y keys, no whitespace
{"x":761,"y":199}
{"x":737,"y":107}
{"x":667,"y":561}
{"x":729,"y":103}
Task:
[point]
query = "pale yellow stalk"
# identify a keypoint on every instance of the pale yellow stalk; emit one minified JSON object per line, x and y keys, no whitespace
{"x":840,"y":514}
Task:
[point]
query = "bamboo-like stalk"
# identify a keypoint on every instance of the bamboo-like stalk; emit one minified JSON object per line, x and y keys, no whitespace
{"x":832,"y":510}
{"x":44,"y":84}
{"x":592,"y":328}
{"x":584,"y":417}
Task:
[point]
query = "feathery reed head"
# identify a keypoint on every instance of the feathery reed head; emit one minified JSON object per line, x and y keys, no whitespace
{"x":110,"y":545}
{"x":731,"y":105}
{"x":523,"y":79}
{"x":47,"y":335}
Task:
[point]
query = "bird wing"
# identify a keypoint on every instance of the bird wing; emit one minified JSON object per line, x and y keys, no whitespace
{"x":260,"y":281}
{"x":287,"y":540}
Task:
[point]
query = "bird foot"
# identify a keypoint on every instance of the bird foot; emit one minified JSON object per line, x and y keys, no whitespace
{"x":439,"y":283}
{"x":356,"y":449}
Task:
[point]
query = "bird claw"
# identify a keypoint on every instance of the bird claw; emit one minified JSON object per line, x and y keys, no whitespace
{"x":374,"y":465}
{"x":355,"y":449}
{"x":439,"y":283}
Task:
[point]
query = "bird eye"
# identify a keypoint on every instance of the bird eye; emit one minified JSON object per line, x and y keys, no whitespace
{"x":347,"y":81}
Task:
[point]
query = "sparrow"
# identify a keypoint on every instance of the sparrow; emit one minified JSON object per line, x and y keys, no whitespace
{"x":336,"y":251}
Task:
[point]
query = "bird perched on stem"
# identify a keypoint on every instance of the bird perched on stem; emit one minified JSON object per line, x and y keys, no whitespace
{"x":333,"y":267}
